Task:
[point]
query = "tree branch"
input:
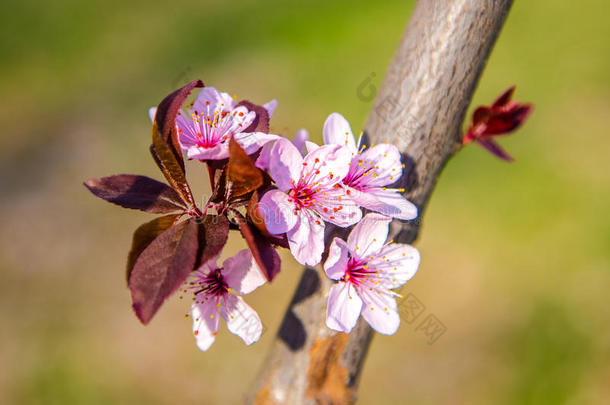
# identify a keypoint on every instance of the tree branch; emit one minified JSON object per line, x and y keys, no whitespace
{"x":420,"y":109}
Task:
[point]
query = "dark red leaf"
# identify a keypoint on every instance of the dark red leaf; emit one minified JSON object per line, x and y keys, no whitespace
{"x":144,"y":235}
{"x":242,"y":176}
{"x":504,"y":98}
{"x":501,"y":118}
{"x":170,"y":167}
{"x":213,"y":235}
{"x":493,"y":147}
{"x":264,"y":253}
{"x":137,"y":192}
{"x":162,"y":268}
{"x":261,"y":121}
{"x":507,"y":121}
{"x":254,"y":216}
{"x":220,"y":186}
{"x":165,"y":117}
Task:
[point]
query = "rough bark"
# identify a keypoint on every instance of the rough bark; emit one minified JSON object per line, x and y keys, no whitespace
{"x":420,"y":109}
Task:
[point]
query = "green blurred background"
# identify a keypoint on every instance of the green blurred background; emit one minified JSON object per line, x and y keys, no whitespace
{"x":516,"y":257}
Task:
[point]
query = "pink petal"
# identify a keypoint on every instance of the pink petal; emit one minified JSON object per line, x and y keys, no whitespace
{"x":386,"y":160}
{"x":262,"y":162}
{"x":380,"y":311}
{"x":344,"y":307}
{"x":335,"y":206}
{"x":187,"y":132}
{"x":311,"y":146}
{"x":338,"y":258}
{"x":285,"y":164}
{"x":241,"y":273}
{"x":216,"y":100}
{"x":369,"y":235}
{"x":270,"y":107}
{"x":338,"y":132}
{"x":241,"y":319}
{"x":306,"y":240}
{"x":326,"y":165}
{"x":399,"y":263}
{"x":277,"y":212}
{"x":242,"y":117}
{"x":300,"y":138}
{"x":386,"y":202}
{"x":205,"y":323}
{"x":253,"y":141}
{"x":218,"y":152}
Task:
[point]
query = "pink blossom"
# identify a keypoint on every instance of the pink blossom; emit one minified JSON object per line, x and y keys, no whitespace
{"x":309,"y":194}
{"x":370,"y":171}
{"x":212,"y":287}
{"x":367,"y":269}
{"x":204,"y":132}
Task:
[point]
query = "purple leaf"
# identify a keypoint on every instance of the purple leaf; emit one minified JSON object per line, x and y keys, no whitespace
{"x":144,"y":235}
{"x":170,"y":167}
{"x":137,"y":192}
{"x":162,"y":268}
{"x":165,"y":117}
{"x":213,"y":235}
{"x":242,"y":175}
{"x":264,"y":253}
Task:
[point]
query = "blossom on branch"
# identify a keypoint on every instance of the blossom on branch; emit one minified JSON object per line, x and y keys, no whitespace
{"x":309,"y":193}
{"x":213,"y":289}
{"x":367,"y":270}
{"x":204,"y":131}
{"x":370,"y":172}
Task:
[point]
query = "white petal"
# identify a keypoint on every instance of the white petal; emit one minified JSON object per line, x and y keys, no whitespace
{"x":380,"y":311}
{"x":344,"y":307}
{"x":241,"y":319}
{"x":338,"y":258}
{"x":338,"y":132}
{"x":369,"y":235}
{"x":306,"y":239}
{"x":205,"y":323}
{"x":241,"y":273}
{"x":152,"y":111}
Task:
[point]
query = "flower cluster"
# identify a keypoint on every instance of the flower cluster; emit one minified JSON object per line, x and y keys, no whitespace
{"x":277,"y":193}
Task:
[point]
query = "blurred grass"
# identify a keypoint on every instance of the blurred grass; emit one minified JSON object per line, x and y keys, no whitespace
{"x":516,"y":257}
